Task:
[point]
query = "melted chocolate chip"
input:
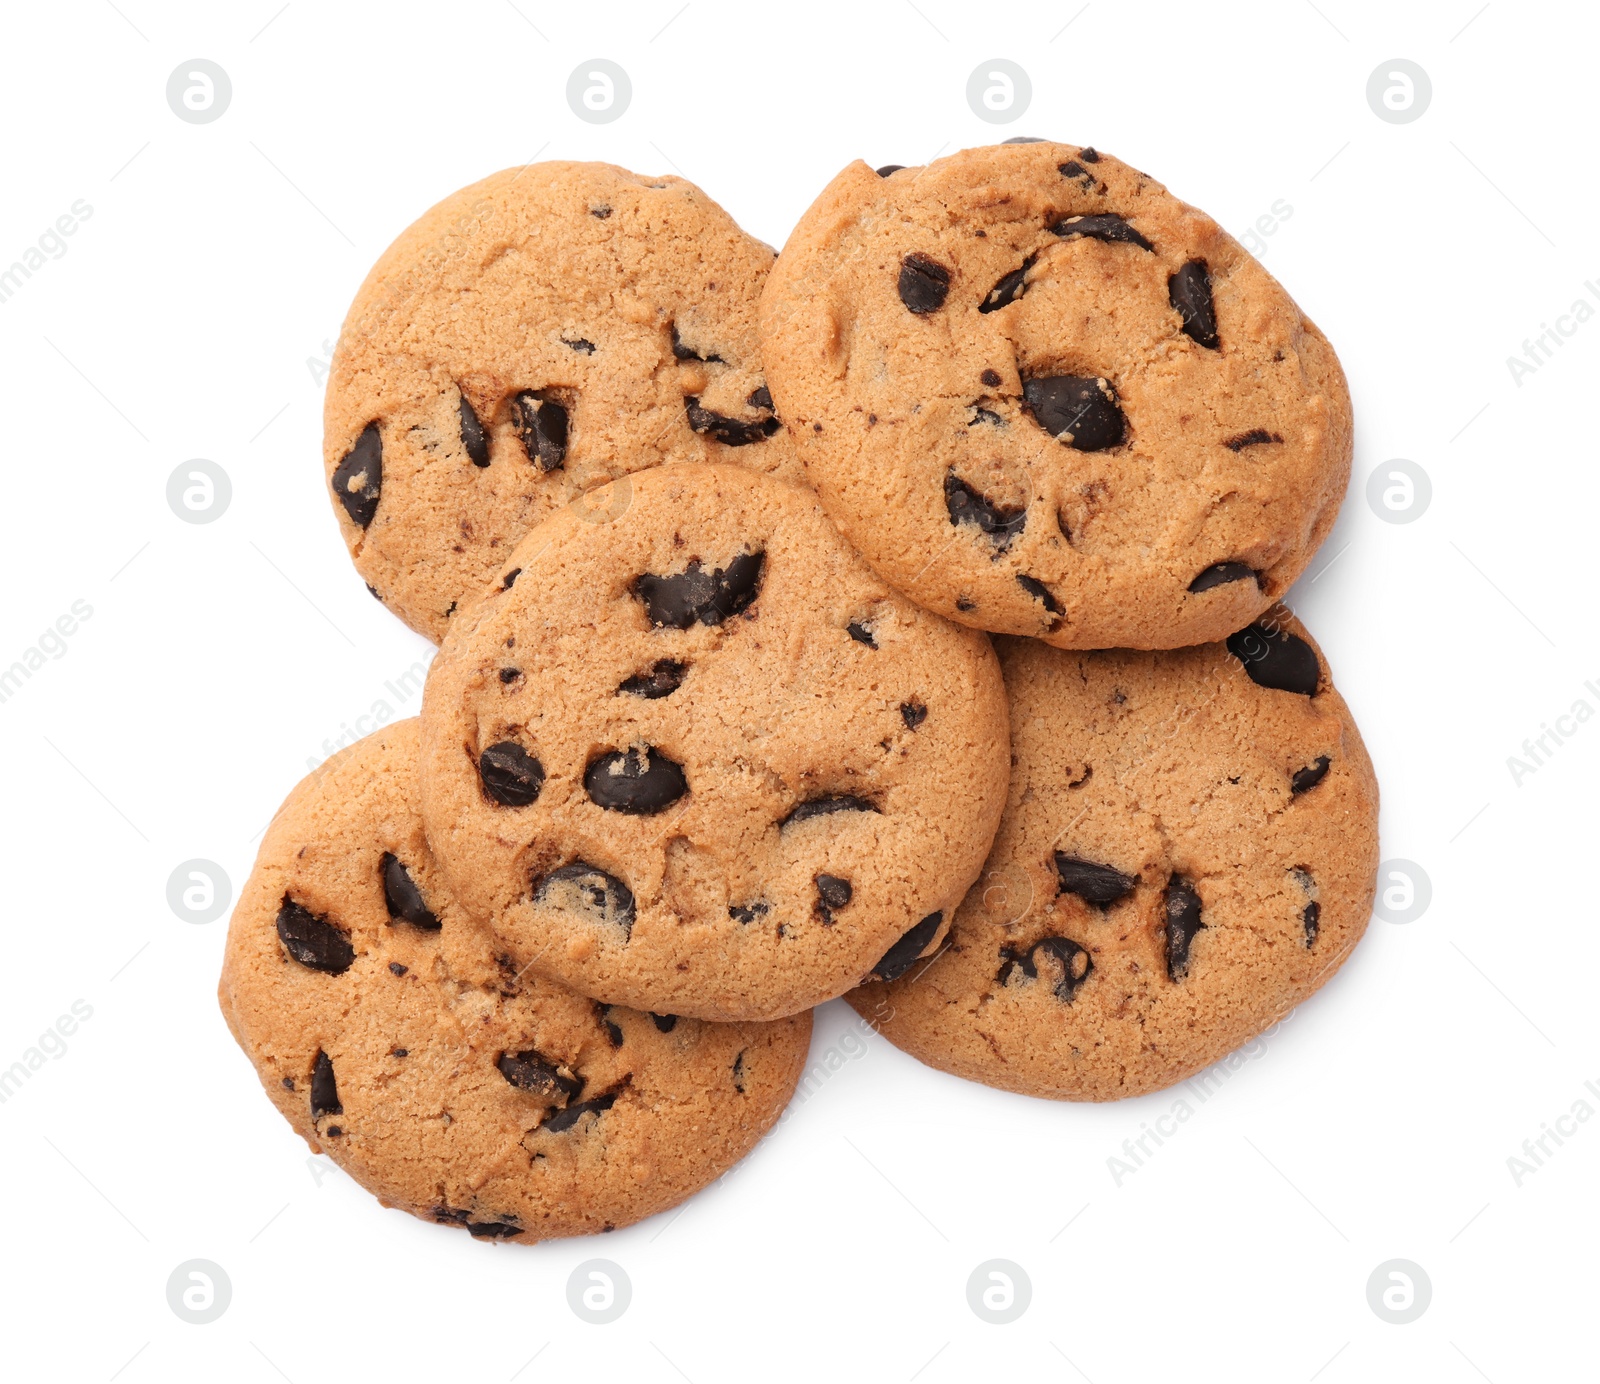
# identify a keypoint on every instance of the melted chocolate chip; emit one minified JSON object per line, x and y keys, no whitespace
{"x":401,"y":894}
{"x":990,"y":378}
{"x":288,"y":1083}
{"x":395,"y":968}
{"x":510,"y":674}
{"x":664,"y":677}
{"x":586,"y":347}
{"x":1189,"y":291}
{"x":1040,"y":592}
{"x":1282,"y":661}
{"x":564,"y":1119}
{"x":833,"y":893}
{"x":965,"y":603}
{"x":1254,"y":438}
{"x":665,"y":1022}
{"x":324,"y":1089}
{"x":531,"y":1070}
{"x":1310,"y":776}
{"x":823,"y":807}
{"x":862,"y":634}
{"x":985,"y":415}
{"x":495,"y":1230}
{"x":639,"y":782}
{"x":586,"y":888}
{"x":1101,"y":885}
{"x":1073,"y":959}
{"x":1073,"y":169}
{"x":473,"y":440}
{"x":1008,"y":289}
{"x":1107,"y":226}
{"x":1221,"y":573}
{"x":510,"y":577}
{"x":748,"y":912}
{"x":358,"y":479}
{"x":600,"y":211}
{"x":682,"y":352}
{"x":761,"y":397}
{"x":1182,"y":908}
{"x":924,"y":283}
{"x":1079,"y":410}
{"x":373,"y":592}
{"x":510,"y":775}
{"x":731,"y":432}
{"x":1088,"y":155}
{"x":612,"y":1028}
{"x":889,"y":168}
{"x":999,"y":523}
{"x":312,"y":940}
{"x":899,"y":958}
{"x":678,"y":601}
{"x":541,"y":423}
{"x":913,"y":713}
{"x":399,"y":1052}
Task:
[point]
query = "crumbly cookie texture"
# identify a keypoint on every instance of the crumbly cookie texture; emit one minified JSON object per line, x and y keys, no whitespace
{"x":1043,"y":396}
{"x":694,"y":756}
{"x":536,"y":334}
{"x":394,"y":1036}
{"x":1189,"y":850}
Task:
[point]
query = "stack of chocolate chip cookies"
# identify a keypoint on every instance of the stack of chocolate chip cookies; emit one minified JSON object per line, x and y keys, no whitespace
{"x":714,"y":546}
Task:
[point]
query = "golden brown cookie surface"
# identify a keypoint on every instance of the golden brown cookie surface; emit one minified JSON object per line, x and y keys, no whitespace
{"x":1188,"y":851}
{"x":390,"y":1034}
{"x":696,"y":757}
{"x":534,"y":335}
{"x":1043,"y":396}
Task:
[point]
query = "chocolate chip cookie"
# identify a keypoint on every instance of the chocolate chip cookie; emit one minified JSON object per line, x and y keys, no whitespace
{"x":534,"y":335}
{"x":1043,"y":396}
{"x":694,"y":756}
{"x":1189,"y":850}
{"x":395,"y":1037}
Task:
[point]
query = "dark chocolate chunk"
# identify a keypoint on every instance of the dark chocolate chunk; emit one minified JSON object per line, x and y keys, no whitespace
{"x":473,"y":438}
{"x":324,"y":1089}
{"x":358,"y":479}
{"x":1310,"y":776}
{"x":913,"y":713}
{"x":395,"y":968}
{"x":985,"y":415}
{"x":1101,"y":885}
{"x":1106,"y":226}
{"x":694,"y":594}
{"x":373,"y":592}
{"x":449,"y":1215}
{"x":731,"y":432}
{"x":580,"y":344}
{"x":999,"y":523}
{"x":565,"y":1119}
{"x":748,"y":912}
{"x":402,"y":895}
{"x":531,"y":1070}
{"x":1008,"y":289}
{"x":1040,"y":592}
{"x":333,"y":1131}
{"x":635,"y":781}
{"x":1189,"y":291}
{"x":600,"y":211}
{"x":510,"y":775}
{"x":510,"y":674}
{"x":399,"y":1052}
{"x":542,"y":425}
{"x":1074,"y":960}
{"x":966,"y":603}
{"x":1254,"y":438}
{"x":1079,"y":409}
{"x":665,"y":1022}
{"x":833,"y":893}
{"x":990,"y":377}
{"x":1089,"y":155}
{"x":899,"y":958}
{"x":591,"y":890}
{"x":312,"y":940}
{"x":288,"y":1083}
{"x":493,"y":1230}
{"x":761,"y":397}
{"x":822,"y":807}
{"x":507,"y":581}
{"x":862,"y":634}
{"x":664,"y":677}
{"x":924,"y":283}
{"x":612,"y":1028}
{"x":1073,"y":169}
{"x":682,"y":352}
{"x":1282,"y":661}
{"x":1183,"y":922}
{"x":1221,"y":573}
{"x":1310,"y":921}
{"x":889,"y":168}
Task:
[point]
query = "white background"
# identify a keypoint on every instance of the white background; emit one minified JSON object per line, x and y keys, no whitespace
{"x":185,"y":320}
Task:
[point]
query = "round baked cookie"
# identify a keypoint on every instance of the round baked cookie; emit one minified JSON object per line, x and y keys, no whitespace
{"x":394,"y":1037}
{"x":1043,"y":396}
{"x":1189,"y":850}
{"x":534,"y":335}
{"x":695,"y":757}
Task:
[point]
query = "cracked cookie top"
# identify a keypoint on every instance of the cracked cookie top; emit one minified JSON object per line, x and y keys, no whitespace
{"x":1043,"y":396}
{"x":395,"y":1037}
